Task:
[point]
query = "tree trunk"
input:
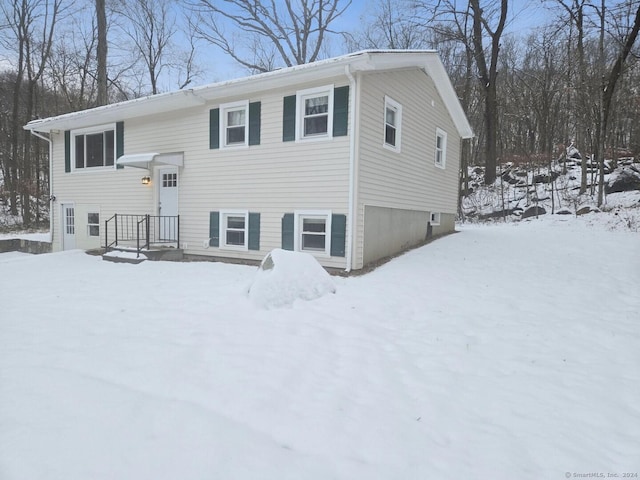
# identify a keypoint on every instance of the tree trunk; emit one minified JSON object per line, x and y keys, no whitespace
{"x":487,"y":74}
{"x":101,"y":15}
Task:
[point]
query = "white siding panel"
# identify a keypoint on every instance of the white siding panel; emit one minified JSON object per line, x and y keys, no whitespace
{"x":272,"y":178}
{"x":113,"y":190}
{"x":407,"y":180}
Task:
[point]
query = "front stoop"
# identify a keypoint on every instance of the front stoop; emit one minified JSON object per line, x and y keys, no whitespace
{"x":154,"y":255}
{"x":133,"y":261}
{"x":165,"y":254}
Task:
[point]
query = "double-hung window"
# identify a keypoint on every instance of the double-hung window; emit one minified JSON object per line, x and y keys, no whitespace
{"x":441,"y":148}
{"x":93,"y":224}
{"x":233,"y":127}
{"x":94,"y":147}
{"x":233,"y":229}
{"x":315,"y":113}
{"x":313,"y":232}
{"x":392,"y":124}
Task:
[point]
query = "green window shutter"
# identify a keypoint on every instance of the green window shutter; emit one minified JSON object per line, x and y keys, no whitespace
{"x":214,"y":229}
{"x":214,"y":128}
{"x":67,"y":151}
{"x":338,"y":235}
{"x":340,"y":111}
{"x":119,"y":142}
{"x":287,"y":231}
{"x":289,"y":119}
{"x":254,"y":231}
{"x":254,"y":123}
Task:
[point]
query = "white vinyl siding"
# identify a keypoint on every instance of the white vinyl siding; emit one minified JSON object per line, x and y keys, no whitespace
{"x":408,"y":180}
{"x":272,"y":178}
{"x":104,"y":190}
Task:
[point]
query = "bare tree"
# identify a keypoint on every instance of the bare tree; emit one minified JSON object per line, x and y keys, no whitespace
{"x":150,"y":26}
{"x":626,"y":42}
{"x":391,"y":24}
{"x":32,"y":24}
{"x":297,"y":30}
{"x":487,"y":74}
{"x":72,"y":66}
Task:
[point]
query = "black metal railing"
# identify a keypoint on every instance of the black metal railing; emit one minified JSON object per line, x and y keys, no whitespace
{"x":141,"y":232}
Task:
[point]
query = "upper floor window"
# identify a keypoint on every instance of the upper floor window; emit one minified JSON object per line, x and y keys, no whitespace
{"x":233,"y":128}
{"x":315,"y":113}
{"x":441,"y":148}
{"x":392,"y":124}
{"x":94,"y":147}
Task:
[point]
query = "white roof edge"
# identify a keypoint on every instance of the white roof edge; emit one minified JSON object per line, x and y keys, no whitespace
{"x":365,"y":60}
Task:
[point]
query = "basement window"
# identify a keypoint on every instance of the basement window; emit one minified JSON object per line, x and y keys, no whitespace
{"x":313,"y":232}
{"x":233,"y":229}
{"x":93,"y":224}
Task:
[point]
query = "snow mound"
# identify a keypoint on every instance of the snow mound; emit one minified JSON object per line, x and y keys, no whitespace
{"x":284,"y":277}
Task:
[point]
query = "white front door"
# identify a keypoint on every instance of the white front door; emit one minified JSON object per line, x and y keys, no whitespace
{"x":168,"y":202}
{"x":68,"y":226}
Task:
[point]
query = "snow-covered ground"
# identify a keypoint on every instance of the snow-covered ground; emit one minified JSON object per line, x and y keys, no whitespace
{"x":500,"y":352}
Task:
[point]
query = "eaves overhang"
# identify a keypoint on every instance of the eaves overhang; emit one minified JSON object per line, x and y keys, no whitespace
{"x":364,"y":61}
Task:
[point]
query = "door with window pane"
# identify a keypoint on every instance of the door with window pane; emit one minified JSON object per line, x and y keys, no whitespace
{"x":68,"y":226}
{"x":168,"y":203}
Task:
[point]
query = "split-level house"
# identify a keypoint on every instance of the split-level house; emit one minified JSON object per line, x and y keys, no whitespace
{"x":351,"y":159}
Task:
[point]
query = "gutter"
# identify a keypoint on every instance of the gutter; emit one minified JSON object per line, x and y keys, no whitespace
{"x":353,"y":86}
{"x":51,"y":197}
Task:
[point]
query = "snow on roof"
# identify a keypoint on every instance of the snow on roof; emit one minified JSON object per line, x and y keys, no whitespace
{"x":366,"y":60}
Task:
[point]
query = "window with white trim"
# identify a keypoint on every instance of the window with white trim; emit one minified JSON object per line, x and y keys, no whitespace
{"x":313,"y":232}
{"x":233,"y":229}
{"x":441,"y":148}
{"x":392,"y":124}
{"x":315,"y":113}
{"x":93,"y":224}
{"x":94,"y":147}
{"x":435,"y":218}
{"x":234,"y":124}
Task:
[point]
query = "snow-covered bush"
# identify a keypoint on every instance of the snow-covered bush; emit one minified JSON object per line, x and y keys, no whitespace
{"x":284,"y":277}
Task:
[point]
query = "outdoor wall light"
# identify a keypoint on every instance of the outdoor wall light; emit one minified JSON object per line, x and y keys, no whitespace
{"x":146,"y":180}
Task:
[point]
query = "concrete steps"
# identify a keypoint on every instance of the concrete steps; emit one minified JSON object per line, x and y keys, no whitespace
{"x":155,"y":254}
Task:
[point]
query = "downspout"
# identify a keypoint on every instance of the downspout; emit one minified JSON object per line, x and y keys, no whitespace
{"x":51,"y":197}
{"x":353,"y":85}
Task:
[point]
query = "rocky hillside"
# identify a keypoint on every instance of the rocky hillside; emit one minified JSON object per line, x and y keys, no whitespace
{"x":523,"y":191}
